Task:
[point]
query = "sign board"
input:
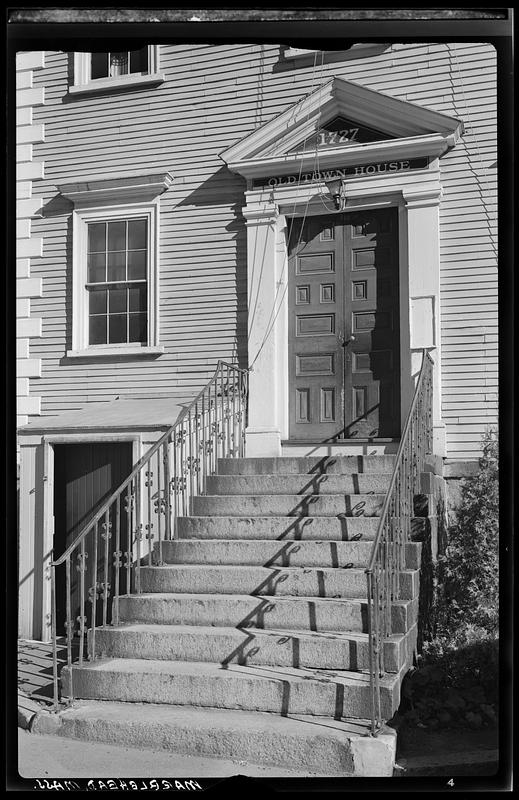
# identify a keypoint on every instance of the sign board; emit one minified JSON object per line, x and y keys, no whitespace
{"x":356,"y":171}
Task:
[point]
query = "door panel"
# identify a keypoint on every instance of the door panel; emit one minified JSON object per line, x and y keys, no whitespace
{"x":344,"y":363}
{"x":84,"y":477}
{"x":316,"y":288}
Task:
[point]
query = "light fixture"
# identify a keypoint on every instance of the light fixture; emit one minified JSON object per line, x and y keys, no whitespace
{"x":337,"y":192}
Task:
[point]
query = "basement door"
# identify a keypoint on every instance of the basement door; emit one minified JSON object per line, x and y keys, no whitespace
{"x":344,"y":328}
{"x":84,"y":477}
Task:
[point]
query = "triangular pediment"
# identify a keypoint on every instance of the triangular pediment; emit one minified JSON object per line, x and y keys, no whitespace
{"x":339,"y":131}
{"x":343,"y":119}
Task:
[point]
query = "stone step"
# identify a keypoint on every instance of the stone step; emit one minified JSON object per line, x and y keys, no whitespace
{"x":339,"y":528}
{"x":336,"y":747}
{"x":292,"y":505}
{"x":290,"y":465}
{"x":275,"y":554}
{"x":299,"y":613}
{"x":292,"y":581}
{"x":249,"y":646}
{"x":278,"y":690}
{"x":374,"y":483}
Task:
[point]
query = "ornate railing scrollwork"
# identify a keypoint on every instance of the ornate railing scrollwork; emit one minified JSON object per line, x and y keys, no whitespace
{"x":387,"y":558}
{"x":142,"y":513}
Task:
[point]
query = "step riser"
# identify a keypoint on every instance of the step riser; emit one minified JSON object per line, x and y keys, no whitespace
{"x":327,"y":752}
{"x":297,"y":484}
{"x":243,"y":647}
{"x":278,"y":528}
{"x":273,"y":554}
{"x":309,"y":582}
{"x":287,"y":465}
{"x":288,"y":505}
{"x":320,"y":697}
{"x":259,"y":612}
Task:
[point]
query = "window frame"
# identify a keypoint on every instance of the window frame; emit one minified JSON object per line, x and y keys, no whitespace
{"x":81,"y":218}
{"x":84,"y":83}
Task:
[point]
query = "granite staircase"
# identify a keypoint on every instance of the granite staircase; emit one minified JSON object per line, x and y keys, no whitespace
{"x":249,"y":640}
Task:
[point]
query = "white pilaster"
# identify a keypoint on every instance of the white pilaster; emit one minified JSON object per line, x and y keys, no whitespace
{"x":423,"y":245}
{"x":263,"y":435}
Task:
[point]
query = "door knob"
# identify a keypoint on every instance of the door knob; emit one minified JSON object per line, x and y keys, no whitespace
{"x":345,"y":342}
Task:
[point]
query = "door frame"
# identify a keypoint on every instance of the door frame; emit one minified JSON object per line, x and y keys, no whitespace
{"x":49,"y":441}
{"x":417,"y":196}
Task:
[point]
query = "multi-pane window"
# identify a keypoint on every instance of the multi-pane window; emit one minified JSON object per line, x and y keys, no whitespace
{"x":125,"y":62}
{"x":117,"y":257}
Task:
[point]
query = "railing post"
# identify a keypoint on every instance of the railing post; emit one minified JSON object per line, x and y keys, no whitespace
{"x":117,"y":562}
{"x":93,"y":599}
{"x":53,"y":633}
{"x":69,"y":623}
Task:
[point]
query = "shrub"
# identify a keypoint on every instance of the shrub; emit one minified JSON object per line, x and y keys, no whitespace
{"x":468,"y":573}
{"x":457,"y":679}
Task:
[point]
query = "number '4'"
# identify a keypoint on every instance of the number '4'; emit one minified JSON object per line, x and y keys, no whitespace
{"x":451,"y":782}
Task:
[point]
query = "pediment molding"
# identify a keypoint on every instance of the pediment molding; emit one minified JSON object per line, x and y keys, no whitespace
{"x":412,"y":131}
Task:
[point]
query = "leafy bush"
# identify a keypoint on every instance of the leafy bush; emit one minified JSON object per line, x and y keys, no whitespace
{"x":468,"y":573}
{"x":456,"y":682}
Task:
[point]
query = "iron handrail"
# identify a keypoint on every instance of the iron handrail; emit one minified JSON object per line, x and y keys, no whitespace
{"x":157,"y":492}
{"x":387,"y":556}
{"x":138,"y":466}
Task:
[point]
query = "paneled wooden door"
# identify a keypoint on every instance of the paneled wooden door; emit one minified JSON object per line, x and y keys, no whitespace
{"x":85,"y":475}
{"x":344,"y":337}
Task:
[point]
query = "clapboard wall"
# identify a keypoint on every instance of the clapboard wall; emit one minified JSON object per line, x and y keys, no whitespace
{"x":212,"y":97}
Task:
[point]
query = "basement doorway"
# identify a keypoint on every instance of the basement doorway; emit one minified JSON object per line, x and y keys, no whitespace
{"x":85,"y":475}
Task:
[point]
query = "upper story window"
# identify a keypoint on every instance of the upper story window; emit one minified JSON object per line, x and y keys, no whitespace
{"x":112,"y":65}
{"x":115,"y":264}
{"x":116,"y":71}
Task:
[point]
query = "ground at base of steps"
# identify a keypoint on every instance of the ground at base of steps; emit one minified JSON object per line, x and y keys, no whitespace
{"x":450,"y":752}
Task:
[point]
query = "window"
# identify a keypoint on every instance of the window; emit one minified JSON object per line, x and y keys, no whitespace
{"x":115,"y":281}
{"x":115,"y":264}
{"x":117,"y":255}
{"x":116,"y":71}
{"x":112,"y":65}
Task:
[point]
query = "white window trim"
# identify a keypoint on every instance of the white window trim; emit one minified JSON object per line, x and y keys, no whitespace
{"x":80,"y":219}
{"x":83,"y":83}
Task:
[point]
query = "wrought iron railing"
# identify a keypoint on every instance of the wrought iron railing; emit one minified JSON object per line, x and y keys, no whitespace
{"x":143,"y":512}
{"x":388,"y":554}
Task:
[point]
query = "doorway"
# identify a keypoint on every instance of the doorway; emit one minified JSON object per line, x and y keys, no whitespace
{"x":344,"y":327}
{"x":85,"y":475}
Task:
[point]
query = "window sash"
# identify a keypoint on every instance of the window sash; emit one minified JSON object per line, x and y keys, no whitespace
{"x":113,"y":64}
{"x":82,"y":287}
{"x":108,"y":321}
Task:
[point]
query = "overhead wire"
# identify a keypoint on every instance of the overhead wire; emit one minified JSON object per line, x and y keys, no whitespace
{"x":475,"y":139}
{"x":289,"y":121}
{"x":275,"y":313}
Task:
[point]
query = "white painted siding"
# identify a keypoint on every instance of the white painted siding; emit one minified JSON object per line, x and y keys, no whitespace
{"x":212,"y":97}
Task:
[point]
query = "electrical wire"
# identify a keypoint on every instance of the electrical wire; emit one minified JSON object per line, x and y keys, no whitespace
{"x":275,"y":313}
{"x":474,"y":137}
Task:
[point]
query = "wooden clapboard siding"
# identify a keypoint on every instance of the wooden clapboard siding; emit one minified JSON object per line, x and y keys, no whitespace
{"x":468,"y":261}
{"x":213,"y":96}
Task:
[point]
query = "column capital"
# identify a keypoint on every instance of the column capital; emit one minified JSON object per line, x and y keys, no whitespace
{"x":260,"y":213}
{"x":420,"y":196}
